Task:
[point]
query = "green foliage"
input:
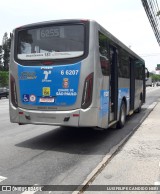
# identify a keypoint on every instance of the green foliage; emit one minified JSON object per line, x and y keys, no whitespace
{"x":4,"y":78}
{"x":0,"y":55}
{"x":6,"y":43}
{"x":155,"y":77}
{"x":4,"y":60}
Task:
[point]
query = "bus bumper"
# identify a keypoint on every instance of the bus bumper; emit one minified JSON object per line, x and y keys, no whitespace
{"x":74,"y":118}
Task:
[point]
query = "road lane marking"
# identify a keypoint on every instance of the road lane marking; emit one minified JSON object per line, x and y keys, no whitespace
{"x":157,"y":183}
{"x":29,"y":192}
{"x":2,"y":178}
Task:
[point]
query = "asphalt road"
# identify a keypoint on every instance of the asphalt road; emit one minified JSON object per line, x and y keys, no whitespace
{"x":48,"y":155}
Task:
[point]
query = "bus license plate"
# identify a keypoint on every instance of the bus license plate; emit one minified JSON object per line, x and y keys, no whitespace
{"x":50,"y":100}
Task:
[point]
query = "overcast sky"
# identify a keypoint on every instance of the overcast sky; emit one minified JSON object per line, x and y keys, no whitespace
{"x":125,"y":19}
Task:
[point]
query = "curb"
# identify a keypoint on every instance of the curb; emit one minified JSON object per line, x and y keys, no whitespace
{"x":92,"y":176}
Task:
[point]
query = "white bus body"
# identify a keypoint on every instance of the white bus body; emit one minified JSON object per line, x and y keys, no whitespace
{"x":73,"y":73}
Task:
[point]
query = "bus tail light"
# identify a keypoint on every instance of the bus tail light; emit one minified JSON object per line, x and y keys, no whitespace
{"x":13,"y":91}
{"x":87,"y":91}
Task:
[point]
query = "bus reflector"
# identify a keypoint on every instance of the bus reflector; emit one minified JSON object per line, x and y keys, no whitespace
{"x":20,"y":113}
{"x":47,"y":63}
{"x":13,"y":91}
{"x":87,"y":91}
{"x":75,"y":115}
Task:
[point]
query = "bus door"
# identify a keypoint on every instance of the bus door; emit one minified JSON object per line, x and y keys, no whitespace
{"x":132,"y":84}
{"x":113,"y":84}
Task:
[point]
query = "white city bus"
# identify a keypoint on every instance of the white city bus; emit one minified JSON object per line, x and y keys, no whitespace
{"x":73,"y":73}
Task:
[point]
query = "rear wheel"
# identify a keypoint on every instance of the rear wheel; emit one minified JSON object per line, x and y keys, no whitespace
{"x":122,"y":116}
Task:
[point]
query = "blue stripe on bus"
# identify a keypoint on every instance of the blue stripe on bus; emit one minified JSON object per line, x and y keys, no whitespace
{"x":123,"y":92}
{"x":104,"y":103}
{"x":104,"y":100}
{"x":49,"y":85}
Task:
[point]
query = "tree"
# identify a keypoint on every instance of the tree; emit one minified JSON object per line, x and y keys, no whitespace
{"x":6,"y":43}
{"x":1,"y":66}
{"x":4,"y":77}
{"x":155,"y":77}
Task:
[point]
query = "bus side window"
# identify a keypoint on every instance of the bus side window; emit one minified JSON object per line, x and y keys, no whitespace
{"x":139,"y":70}
{"x":103,"y":52}
{"x":105,"y":66}
{"x":124,"y":64}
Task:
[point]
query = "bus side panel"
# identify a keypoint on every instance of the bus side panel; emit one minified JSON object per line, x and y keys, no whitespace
{"x":13,"y":71}
{"x":123,"y":92}
{"x":138,"y":93}
{"x":104,"y":108}
{"x":88,"y":117}
{"x":102,"y":84}
{"x":14,"y":116}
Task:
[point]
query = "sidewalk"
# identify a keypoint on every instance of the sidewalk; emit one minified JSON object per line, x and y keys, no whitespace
{"x":138,"y":161}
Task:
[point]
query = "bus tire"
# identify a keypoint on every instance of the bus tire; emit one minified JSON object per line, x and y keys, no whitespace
{"x":122,"y":116}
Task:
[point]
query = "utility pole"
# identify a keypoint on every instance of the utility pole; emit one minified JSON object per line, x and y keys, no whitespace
{"x":153,"y":13}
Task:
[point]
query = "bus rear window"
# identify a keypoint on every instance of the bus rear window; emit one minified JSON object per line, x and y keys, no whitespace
{"x":52,"y":42}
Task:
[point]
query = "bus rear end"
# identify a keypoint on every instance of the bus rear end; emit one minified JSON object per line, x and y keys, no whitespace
{"x":51,"y":77}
